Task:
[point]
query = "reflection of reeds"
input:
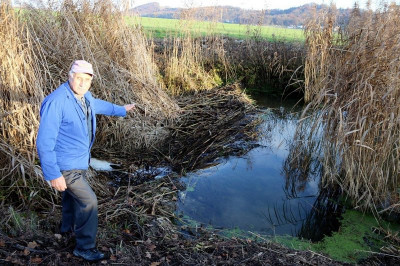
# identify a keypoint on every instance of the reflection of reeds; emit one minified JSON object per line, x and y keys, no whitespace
{"x":285,"y":214}
{"x":323,"y":217}
{"x":303,"y":163}
{"x":353,"y":76}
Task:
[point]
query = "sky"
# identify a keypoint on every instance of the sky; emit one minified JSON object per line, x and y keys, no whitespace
{"x":256,"y":4}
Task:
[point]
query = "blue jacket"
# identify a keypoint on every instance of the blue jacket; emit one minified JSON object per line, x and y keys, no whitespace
{"x":63,"y":139}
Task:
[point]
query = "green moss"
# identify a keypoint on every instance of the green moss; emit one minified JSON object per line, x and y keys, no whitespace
{"x":293,"y":242}
{"x":234,"y":232}
{"x":354,"y":240}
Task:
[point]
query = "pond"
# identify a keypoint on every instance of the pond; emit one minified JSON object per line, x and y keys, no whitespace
{"x":262,"y":192}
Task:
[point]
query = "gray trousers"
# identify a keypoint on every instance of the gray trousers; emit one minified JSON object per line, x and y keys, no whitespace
{"x":79,"y":209}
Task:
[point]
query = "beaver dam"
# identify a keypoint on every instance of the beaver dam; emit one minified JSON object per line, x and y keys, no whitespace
{"x":241,"y":183}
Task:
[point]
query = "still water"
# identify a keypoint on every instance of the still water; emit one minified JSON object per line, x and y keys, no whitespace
{"x":260,"y":192}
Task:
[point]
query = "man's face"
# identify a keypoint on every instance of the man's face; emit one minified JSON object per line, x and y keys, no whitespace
{"x":80,"y":83}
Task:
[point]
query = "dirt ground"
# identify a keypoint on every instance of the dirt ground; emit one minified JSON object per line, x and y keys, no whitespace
{"x":51,"y":249}
{"x":139,"y":229}
{"x":159,"y":249}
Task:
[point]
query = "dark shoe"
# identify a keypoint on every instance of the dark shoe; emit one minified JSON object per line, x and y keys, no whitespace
{"x":89,"y":254}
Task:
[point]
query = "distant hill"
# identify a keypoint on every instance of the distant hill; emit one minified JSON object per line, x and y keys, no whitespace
{"x":155,"y":10}
{"x":292,"y":17}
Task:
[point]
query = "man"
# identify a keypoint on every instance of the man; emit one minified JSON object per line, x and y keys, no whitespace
{"x":65,"y":137}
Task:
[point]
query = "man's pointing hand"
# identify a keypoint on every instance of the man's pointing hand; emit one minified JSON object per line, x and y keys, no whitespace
{"x":129,"y":107}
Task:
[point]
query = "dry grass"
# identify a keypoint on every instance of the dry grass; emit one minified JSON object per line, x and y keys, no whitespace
{"x":36,"y":59}
{"x":272,"y":67}
{"x":20,"y":97}
{"x":185,"y":67}
{"x":188,"y":60}
{"x":123,"y":62}
{"x":352,"y":77}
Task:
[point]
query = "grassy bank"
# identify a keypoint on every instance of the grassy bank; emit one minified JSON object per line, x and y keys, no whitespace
{"x":360,"y":236}
{"x":161,"y":28}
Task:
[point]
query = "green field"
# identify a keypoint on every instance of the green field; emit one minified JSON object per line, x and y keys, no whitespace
{"x":160,"y":28}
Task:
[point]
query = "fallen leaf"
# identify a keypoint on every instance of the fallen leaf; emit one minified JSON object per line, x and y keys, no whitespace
{"x":36,"y":260}
{"x":152,"y":247}
{"x":26,"y":252}
{"x":32,"y":244}
{"x":155,"y":263}
{"x":2,"y":243}
{"x":112,"y":257}
{"x":148,"y":255}
{"x":17,"y":262}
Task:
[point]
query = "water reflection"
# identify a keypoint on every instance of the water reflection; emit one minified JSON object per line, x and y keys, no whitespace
{"x":273,"y":189}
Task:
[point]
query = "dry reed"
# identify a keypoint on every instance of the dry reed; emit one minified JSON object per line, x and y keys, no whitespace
{"x":352,"y":79}
{"x":123,"y":62}
{"x":36,"y":59}
{"x":269,"y":66}
{"x":20,"y":97}
{"x":189,"y":58}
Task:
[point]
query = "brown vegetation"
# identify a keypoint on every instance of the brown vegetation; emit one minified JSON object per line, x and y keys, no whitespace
{"x":352,"y":79}
{"x":36,"y":60}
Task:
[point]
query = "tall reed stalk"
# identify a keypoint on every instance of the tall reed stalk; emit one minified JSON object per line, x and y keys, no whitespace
{"x":190,"y":59}
{"x":20,"y":96}
{"x":352,"y":78}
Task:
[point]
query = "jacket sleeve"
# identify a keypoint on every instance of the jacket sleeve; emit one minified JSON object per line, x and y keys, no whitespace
{"x":50,"y":122}
{"x":107,"y":108}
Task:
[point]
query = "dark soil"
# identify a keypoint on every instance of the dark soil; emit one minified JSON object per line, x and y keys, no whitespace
{"x":47,"y":248}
